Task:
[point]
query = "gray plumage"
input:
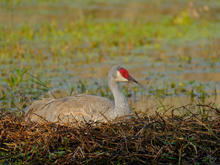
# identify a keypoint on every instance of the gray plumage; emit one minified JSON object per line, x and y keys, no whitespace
{"x":86,"y":107}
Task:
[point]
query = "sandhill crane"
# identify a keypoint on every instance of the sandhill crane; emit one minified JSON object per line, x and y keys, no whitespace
{"x":85,"y":107}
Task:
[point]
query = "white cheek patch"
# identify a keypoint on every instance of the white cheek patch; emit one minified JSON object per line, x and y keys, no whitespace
{"x":120,"y":78}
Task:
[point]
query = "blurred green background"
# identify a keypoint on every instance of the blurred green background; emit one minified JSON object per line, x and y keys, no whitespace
{"x":68,"y":47}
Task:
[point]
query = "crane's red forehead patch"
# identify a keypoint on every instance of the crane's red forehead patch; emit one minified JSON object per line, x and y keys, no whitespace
{"x":124,"y":73}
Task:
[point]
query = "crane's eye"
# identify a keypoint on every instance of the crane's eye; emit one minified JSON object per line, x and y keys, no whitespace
{"x":124,"y":73}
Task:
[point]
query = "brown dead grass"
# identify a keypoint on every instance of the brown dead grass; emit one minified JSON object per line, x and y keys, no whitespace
{"x":158,"y":139}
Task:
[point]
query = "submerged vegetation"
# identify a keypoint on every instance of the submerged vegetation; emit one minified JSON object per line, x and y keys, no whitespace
{"x":58,"y":48}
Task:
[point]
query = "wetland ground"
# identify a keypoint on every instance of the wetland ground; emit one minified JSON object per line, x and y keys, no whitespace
{"x":172,"y":48}
{"x":67,"y":47}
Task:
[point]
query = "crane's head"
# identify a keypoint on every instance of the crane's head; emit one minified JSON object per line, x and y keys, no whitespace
{"x":120,"y":74}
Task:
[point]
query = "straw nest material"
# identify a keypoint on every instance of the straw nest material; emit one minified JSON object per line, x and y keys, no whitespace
{"x":141,"y":139}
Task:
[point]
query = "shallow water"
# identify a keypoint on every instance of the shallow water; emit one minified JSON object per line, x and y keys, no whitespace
{"x":176,"y":69}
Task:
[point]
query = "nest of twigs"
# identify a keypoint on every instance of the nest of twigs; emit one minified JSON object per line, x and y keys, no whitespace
{"x":142,"y":139}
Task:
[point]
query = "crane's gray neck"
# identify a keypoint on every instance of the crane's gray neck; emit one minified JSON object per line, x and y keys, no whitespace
{"x":121,"y":103}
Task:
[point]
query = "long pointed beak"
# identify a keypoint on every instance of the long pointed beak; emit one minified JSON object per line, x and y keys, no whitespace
{"x":133,"y":81}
